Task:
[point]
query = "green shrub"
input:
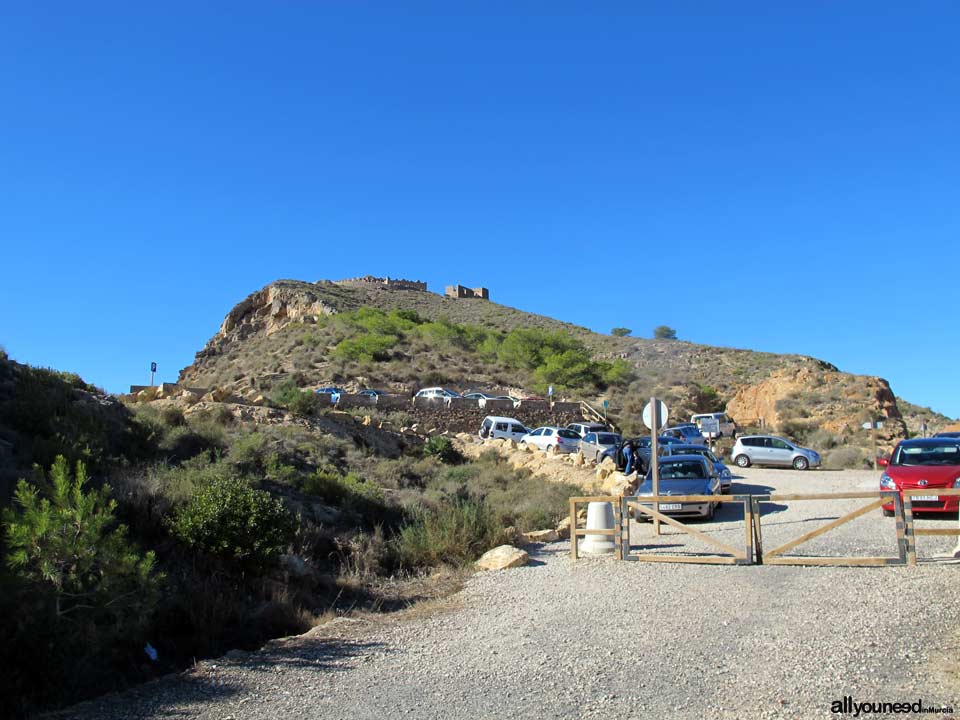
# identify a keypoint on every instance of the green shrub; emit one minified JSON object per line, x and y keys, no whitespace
{"x":845,"y":457}
{"x":366,"y":348}
{"x":229,"y":520}
{"x":348,"y":490}
{"x":288,"y":395}
{"x":620,"y":332}
{"x":443,"y":449}
{"x":247,"y":452}
{"x":454,"y":534}
{"x":664,"y":332}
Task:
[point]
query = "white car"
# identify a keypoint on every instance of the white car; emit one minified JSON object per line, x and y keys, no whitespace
{"x":437,"y":392}
{"x":553,"y":440}
{"x":496,"y":426}
{"x":725,"y":426}
{"x":482,"y":398}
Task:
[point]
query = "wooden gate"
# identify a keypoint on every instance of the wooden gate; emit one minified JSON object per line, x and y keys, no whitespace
{"x":732,"y":555}
{"x":777,"y":556}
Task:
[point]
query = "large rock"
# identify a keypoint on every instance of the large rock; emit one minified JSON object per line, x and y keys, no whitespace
{"x":503,"y":557}
{"x":542,"y":536}
{"x":563,"y":528}
{"x":603,"y":472}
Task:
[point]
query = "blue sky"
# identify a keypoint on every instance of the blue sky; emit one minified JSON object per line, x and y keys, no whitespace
{"x":774,"y":176}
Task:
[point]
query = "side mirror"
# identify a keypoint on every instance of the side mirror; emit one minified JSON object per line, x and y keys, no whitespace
{"x":883,"y":462}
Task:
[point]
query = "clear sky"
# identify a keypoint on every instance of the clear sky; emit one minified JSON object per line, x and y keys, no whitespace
{"x":780,"y":176}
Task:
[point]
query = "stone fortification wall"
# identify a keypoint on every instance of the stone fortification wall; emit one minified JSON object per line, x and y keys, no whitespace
{"x":384,"y":282}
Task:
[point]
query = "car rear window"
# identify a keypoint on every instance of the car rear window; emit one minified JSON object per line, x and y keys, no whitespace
{"x":683,"y":470}
{"x":569,"y":434}
{"x":607,"y":438}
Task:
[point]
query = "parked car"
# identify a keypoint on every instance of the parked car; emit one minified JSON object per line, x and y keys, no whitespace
{"x":686,"y":433}
{"x":594,"y":444}
{"x":496,"y":426}
{"x":333,"y":392}
{"x":553,"y":440}
{"x":719,"y":469}
{"x":929,"y":463}
{"x":771,"y":450}
{"x":950,"y":434}
{"x":437,"y":392}
{"x":583,"y":428}
{"x":482,"y":398}
{"x":682,"y":475}
{"x":726,"y":426}
{"x":370,"y":392}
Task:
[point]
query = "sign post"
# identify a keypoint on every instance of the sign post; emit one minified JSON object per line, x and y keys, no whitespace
{"x":606,"y":404}
{"x":655,"y":416}
{"x":873,"y":426}
{"x":550,"y":394}
{"x":153,"y":370}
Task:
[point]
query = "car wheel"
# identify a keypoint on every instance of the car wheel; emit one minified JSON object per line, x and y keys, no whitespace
{"x":552,"y":450}
{"x":888,"y":513}
{"x":742,"y":461}
{"x":800,"y":463}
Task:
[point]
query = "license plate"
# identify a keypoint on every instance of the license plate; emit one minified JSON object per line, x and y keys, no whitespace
{"x":670,"y":506}
{"x":919,"y":498}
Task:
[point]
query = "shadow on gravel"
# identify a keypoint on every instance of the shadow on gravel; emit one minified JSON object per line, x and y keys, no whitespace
{"x":315,"y":653}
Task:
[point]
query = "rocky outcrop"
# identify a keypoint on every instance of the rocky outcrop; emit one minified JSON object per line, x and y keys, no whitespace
{"x":264,"y":312}
{"x":814,"y":397}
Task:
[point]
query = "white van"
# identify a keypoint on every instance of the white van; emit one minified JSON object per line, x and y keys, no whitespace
{"x":494,"y":426}
{"x":726,"y":427}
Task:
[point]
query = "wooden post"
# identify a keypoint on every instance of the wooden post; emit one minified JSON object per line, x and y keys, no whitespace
{"x":654,"y":459}
{"x":873,"y":431}
{"x":573,"y":529}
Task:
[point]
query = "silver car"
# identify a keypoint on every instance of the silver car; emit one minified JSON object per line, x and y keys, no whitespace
{"x":553,"y":440}
{"x":772,"y":450}
{"x":594,"y":444}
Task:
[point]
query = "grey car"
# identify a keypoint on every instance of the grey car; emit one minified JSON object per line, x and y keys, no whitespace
{"x":594,"y":444}
{"x":682,"y":475}
{"x":719,"y":469}
{"x":772,"y":450}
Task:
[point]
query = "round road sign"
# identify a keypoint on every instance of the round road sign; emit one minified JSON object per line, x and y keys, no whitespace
{"x":648,"y":414}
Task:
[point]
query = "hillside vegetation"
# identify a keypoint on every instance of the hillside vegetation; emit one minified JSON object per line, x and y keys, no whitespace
{"x":198,"y":531}
{"x":327,"y":333}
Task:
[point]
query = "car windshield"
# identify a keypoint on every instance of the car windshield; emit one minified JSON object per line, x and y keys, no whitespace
{"x":608,"y":439}
{"x":683,"y":470}
{"x":928,"y":454}
{"x":569,"y":434}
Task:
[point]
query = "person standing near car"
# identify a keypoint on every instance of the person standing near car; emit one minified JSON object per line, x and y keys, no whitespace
{"x":629,"y":455}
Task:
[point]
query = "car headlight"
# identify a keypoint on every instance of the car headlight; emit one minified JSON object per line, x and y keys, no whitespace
{"x":956,"y":483}
{"x":887,"y":482}
{"x":725,"y":473}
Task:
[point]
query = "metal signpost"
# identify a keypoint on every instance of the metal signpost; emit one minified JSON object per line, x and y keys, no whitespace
{"x":710,"y":429}
{"x":606,"y":404}
{"x":550,"y":394}
{"x":153,"y":370}
{"x":655,"y":416}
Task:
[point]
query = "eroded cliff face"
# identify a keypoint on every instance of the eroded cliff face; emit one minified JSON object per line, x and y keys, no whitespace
{"x":264,"y":312}
{"x":835,"y":401}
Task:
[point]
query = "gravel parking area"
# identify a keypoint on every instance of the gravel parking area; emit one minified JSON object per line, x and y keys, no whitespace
{"x":602,"y":638}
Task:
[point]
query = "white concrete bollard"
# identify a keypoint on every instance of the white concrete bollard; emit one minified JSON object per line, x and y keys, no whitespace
{"x":599,"y":517}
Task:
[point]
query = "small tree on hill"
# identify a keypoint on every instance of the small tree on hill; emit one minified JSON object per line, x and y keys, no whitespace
{"x":620,"y":331}
{"x":66,"y":543}
{"x":664,"y":332}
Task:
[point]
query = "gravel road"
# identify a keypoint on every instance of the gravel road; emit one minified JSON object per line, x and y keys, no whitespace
{"x":601,"y":638}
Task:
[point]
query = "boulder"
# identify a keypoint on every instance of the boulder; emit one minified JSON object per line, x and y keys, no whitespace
{"x":603,"y":472}
{"x":189,"y":398}
{"x":541,"y":536}
{"x":608,"y":463}
{"x":578,"y":459}
{"x":503,"y":557}
{"x":563,"y":528}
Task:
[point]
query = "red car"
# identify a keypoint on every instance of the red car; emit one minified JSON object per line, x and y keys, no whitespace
{"x":928,"y":464}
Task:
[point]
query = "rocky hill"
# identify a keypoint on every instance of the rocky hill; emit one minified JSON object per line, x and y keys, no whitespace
{"x":289,"y":329}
